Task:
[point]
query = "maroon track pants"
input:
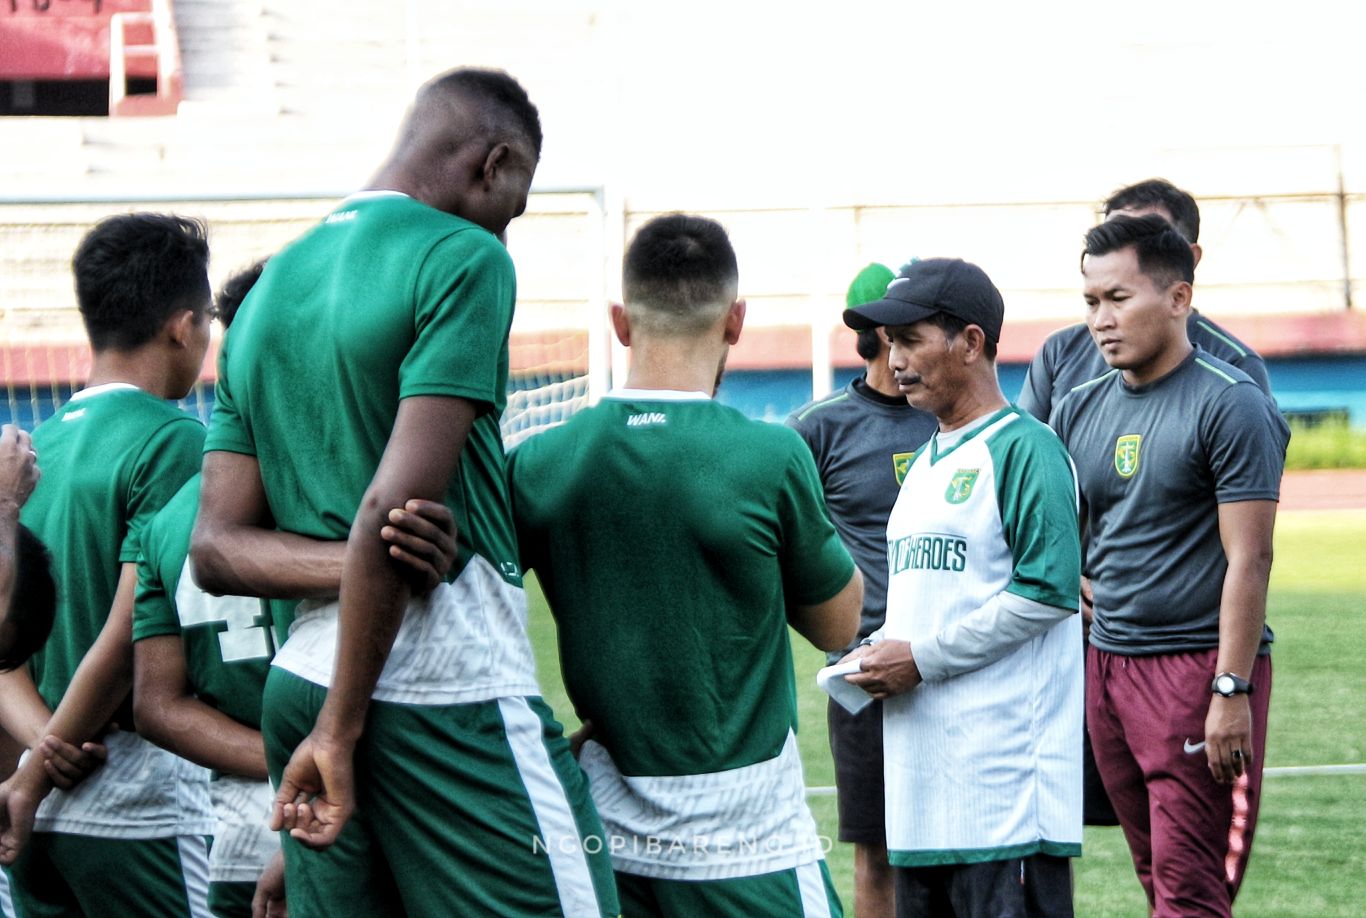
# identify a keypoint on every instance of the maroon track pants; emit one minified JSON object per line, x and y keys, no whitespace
{"x":1189,"y":836}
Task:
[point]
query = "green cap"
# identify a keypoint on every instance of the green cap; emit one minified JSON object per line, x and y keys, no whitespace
{"x":870,"y":284}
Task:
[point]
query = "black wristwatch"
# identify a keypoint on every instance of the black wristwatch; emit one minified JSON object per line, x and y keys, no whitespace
{"x":1228,"y":685}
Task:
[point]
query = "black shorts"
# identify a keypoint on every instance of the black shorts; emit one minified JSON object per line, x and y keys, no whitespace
{"x":856,"y":744}
{"x":1039,"y":886}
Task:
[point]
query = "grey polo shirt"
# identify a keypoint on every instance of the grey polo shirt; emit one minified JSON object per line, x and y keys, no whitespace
{"x":1153,"y":464}
{"x":1069,"y":358}
{"x":863,"y":442}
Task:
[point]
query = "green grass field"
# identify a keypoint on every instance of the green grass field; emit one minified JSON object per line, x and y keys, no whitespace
{"x":1308,"y":859}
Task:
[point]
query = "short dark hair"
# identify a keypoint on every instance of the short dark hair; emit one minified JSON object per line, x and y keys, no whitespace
{"x":953,"y":326}
{"x":134,"y":271}
{"x":33,"y":604}
{"x":234,"y":290}
{"x":1163,"y":254}
{"x":506,"y":107}
{"x":680,"y":269}
{"x":1159,"y":192}
{"x":869,"y":343}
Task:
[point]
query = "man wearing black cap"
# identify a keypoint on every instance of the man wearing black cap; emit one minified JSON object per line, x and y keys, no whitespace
{"x":863,"y":439}
{"x":979,"y":664}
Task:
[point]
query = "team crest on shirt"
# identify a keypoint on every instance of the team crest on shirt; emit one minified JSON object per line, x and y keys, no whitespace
{"x":960,"y":486}
{"x":901,"y":464}
{"x":1126,"y":454}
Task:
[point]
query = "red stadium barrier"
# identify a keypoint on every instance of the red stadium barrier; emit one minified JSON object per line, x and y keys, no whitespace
{"x":115,"y":40}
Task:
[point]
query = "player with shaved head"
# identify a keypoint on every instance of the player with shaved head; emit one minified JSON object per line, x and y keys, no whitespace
{"x":676,"y":540}
{"x":418,"y":768}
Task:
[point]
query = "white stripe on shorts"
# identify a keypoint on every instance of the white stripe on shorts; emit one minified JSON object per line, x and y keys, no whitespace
{"x":6,"y":906}
{"x":194,"y":867}
{"x":815,"y":900}
{"x":554,"y":816}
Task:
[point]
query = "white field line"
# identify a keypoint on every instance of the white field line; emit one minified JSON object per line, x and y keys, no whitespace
{"x":1286,"y":771}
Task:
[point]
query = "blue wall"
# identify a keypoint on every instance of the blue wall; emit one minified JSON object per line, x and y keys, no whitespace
{"x":1309,"y":384}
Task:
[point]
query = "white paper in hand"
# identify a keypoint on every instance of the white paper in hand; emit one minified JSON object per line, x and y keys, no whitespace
{"x":849,"y":696}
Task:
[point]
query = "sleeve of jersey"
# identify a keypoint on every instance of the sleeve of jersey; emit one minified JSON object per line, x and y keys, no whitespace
{"x":154,"y":613}
{"x":465,"y":293}
{"x":168,"y":460}
{"x":227,"y":432}
{"x":1245,"y":440}
{"x":520,"y":498}
{"x":1036,"y":490}
{"x":1255,"y":368}
{"x":815,"y":563}
{"x":1036,"y":397}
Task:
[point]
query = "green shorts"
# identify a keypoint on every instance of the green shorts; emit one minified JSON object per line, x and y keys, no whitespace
{"x":802,"y":892}
{"x":460,"y":809}
{"x":231,"y":900}
{"x":82,"y":875}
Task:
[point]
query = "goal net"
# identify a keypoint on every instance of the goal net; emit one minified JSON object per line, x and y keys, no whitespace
{"x":557,"y":352}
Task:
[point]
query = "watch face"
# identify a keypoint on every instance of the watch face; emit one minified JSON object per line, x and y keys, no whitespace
{"x":1224,"y":685}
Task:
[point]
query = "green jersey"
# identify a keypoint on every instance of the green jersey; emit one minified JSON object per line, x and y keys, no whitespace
{"x":227,"y":639}
{"x":227,"y":645}
{"x":111,"y":458}
{"x":411,"y":302}
{"x":672,"y":535}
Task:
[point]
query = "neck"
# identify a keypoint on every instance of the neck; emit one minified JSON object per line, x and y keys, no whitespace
{"x":1166,"y":360}
{"x":879,"y":376}
{"x":981,"y":397}
{"x":131,"y":367}
{"x":683,"y":364}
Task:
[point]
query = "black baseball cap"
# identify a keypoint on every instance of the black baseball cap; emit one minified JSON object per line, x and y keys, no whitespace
{"x":948,"y":285}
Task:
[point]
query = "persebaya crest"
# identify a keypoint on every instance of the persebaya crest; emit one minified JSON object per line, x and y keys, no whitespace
{"x":1126,"y":454}
{"x":960,"y":486}
{"x":901,"y":464}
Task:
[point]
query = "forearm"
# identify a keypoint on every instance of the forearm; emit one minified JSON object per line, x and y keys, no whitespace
{"x":204,"y":735}
{"x":1242,"y":615}
{"x":832,"y":624}
{"x":985,"y":635}
{"x":23,"y":713}
{"x":101,"y":683}
{"x":9,"y":541}
{"x":105,"y":676}
{"x":373,"y":600}
{"x":239,"y":560}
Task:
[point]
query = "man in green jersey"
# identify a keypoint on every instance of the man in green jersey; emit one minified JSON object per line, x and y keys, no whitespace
{"x":129,"y":840}
{"x":200,"y":662}
{"x":676,"y":540}
{"x":413,"y":722}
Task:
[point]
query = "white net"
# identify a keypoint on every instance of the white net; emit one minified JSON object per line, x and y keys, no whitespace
{"x":557,"y":245}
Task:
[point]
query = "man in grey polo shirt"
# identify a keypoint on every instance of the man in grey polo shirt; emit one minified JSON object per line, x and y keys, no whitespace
{"x":1179,"y":458}
{"x":1069,"y":358}
{"x":863,"y":439}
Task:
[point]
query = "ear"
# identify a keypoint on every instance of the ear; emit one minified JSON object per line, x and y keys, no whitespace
{"x":735,"y":321}
{"x":974,"y":343}
{"x":180,"y":327}
{"x":621,"y":324}
{"x":494,"y":161}
{"x":1181,"y":294}
{"x":1197,"y":252}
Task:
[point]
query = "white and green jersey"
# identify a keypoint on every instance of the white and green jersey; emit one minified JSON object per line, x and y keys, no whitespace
{"x":983,"y":759}
{"x":671,"y":535}
{"x":227,"y":646}
{"x":412,"y":302}
{"x":112,"y":457}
